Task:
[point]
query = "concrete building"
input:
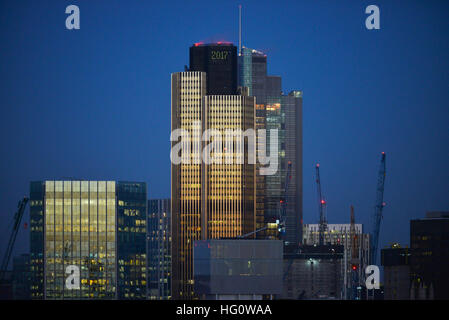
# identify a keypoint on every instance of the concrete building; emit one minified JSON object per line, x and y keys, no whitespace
{"x":238,"y":269}
{"x":313,"y":272}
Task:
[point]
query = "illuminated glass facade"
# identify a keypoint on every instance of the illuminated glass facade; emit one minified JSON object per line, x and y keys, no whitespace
{"x":230,"y":190}
{"x":99,"y":226}
{"x":208,"y":201}
{"x":188,"y":90}
{"x":282,"y":112}
{"x":159,"y":249}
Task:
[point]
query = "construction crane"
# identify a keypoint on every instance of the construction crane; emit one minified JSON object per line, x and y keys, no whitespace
{"x":283,"y":202}
{"x":283,"y":207}
{"x":380,"y":204}
{"x":12,"y":239}
{"x":355,"y":259}
{"x":321,"y":207}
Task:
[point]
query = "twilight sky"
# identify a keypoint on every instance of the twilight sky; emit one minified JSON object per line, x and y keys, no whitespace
{"x":94,"y":103}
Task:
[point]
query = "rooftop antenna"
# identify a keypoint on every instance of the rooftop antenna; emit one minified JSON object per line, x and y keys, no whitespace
{"x":240,"y":29}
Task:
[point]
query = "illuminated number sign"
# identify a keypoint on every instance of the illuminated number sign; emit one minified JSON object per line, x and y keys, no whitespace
{"x":219,"y":55}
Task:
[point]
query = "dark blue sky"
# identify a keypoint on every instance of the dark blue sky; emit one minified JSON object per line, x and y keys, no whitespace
{"x":94,"y":103}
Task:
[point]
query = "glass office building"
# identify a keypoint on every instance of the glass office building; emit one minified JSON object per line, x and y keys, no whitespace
{"x":187,"y":93}
{"x":208,"y":200}
{"x":98,"y":226}
{"x":159,"y":249}
{"x":276,"y":110}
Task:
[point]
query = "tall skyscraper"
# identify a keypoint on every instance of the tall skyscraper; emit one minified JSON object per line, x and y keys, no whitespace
{"x":159,"y":249}
{"x":276,"y":111}
{"x":219,"y":62}
{"x":187,"y":92}
{"x":97,"y":226}
{"x":209,"y":200}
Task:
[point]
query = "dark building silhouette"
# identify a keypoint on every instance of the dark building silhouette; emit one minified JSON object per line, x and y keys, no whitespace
{"x":396,"y":262}
{"x":429,"y":239}
{"x":21,"y":277}
{"x":219,"y":62}
{"x":313,"y":272}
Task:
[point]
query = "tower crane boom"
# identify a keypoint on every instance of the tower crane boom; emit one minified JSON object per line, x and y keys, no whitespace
{"x":12,"y":238}
{"x":378,"y":209}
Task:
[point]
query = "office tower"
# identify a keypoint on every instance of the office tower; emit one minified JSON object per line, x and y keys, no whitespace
{"x":292,"y":108}
{"x":396,"y":263}
{"x":261,"y":179}
{"x":187,"y":93}
{"x":253,"y":73}
{"x":229,"y":189}
{"x":340,"y":234}
{"x":276,"y":111}
{"x":209,"y":200}
{"x":37,"y":240}
{"x":159,"y":249}
{"x":21,"y":277}
{"x":219,"y":62}
{"x":97,"y":226}
{"x":429,"y":263}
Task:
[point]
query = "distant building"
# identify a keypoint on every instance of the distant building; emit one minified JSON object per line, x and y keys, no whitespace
{"x":98,"y":226}
{"x":21,"y":277}
{"x":340,"y":234}
{"x":276,"y":111}
{"x":238,"y":269}
{"x":313,"y":272}
{"x":396,"y":263}
{"x":159,"y":249}
{"x":429,"y":263}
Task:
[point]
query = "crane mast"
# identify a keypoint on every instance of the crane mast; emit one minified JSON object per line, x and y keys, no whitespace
{"x":321,"y":207}
{"x":378,"y":209}
{"x":355,"y":258}
{"x":12,"y":238}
